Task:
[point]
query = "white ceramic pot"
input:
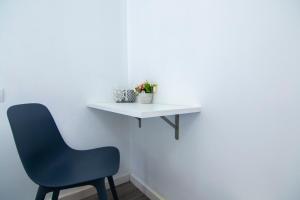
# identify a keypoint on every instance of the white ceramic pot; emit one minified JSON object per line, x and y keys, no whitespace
{"x":145,"y":98}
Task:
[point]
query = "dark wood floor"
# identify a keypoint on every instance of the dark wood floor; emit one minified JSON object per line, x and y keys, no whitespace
{"x":125,"y":191}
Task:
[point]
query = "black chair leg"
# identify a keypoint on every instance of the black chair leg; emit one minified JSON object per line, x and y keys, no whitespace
{"x":112,"y":187}
{"x":55,"y":195}
{"x":101,"y":190}
{"x":41,"y":193}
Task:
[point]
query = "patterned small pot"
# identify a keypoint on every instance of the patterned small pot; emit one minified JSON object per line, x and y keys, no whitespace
{"x":119,"y":96}
{"x":145,"y":98}
{"x":130,"y":96}
{"x":124,"y":96}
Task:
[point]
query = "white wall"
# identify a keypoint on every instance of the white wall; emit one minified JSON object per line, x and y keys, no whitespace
{"x":241,"y":61}
{"x":61,"y":53}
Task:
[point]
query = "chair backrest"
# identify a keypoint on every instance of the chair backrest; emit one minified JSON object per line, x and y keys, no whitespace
{"x":36,"y":136}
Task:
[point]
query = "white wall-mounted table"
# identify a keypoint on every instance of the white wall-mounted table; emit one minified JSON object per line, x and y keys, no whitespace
{"x":141,"y":111}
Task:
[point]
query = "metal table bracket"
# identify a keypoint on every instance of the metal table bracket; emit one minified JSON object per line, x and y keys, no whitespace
{"x":174,"y":125}
{"x":140,"y":122}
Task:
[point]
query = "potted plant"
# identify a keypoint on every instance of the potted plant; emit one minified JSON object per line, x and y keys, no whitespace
{"x":145,"y":92}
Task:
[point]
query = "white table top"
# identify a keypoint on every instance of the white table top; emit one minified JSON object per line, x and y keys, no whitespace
{"x":144,"y":110}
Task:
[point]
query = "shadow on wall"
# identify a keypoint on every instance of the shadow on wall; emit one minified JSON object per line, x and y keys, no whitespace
{"x":110,"y":123}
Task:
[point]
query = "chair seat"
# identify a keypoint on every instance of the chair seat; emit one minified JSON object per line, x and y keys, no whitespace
{"x":72,"y":167}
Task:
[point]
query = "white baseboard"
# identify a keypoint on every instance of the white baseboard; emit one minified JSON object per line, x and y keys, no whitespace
{"x":86,"y":191}
{"x":144,"y":188}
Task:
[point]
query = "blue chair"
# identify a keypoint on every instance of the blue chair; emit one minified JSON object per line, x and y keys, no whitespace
{"x":50,"y":162}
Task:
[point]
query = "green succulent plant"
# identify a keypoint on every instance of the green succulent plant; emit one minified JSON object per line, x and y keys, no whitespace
{"x":146,"y":87}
